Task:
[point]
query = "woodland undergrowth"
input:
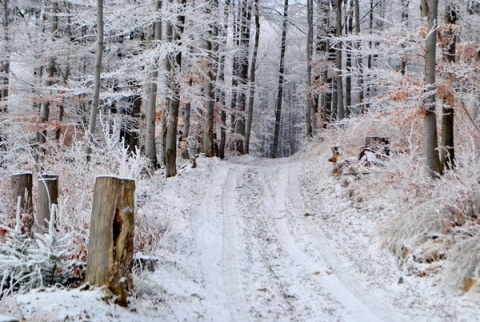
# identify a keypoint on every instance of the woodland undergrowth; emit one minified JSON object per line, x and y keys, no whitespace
{"x":436,"y":229}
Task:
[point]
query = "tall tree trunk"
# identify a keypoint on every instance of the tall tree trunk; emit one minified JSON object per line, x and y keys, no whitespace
{"x":45,"y":106}
{"x":245,"y":20}
{"x":278,"y":109}
{"x":235,"y":72}
{"x":430,"y":8}
{"x":208,"y":128}
{"x":348,"y":61}
{"x":405,"y":6}
{"x":309,"y":116}
{"x":96,"y":81}
{"x":171,"y":139}
{"x":323,"y":46}
{"x":359,"y":61}
{"x":338,"y":61}
{"x":5,"y":62}
{"x":253,"y":65}
{"x":449,"y":55}
{"x":221,"y":97}
{"x":150,"y":144}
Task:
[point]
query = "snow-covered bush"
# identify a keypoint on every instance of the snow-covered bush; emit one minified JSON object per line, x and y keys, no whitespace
{"x":31,"y":262}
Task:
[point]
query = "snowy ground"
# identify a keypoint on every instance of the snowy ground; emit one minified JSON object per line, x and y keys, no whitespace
{"x":250,"y":239}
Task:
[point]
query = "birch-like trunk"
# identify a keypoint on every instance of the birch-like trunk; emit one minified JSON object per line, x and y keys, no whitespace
{"x":150,"y":144}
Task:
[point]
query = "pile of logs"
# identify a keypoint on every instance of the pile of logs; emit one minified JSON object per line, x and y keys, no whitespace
{"x":375,"y":152}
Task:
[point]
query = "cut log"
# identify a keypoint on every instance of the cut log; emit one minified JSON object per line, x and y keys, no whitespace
{"x":110,"y":247}
{"x":47,"y":195}
{"x":21,"y":185}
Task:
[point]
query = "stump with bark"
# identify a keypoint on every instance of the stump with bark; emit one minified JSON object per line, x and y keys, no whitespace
{"x":47,"y":195}
{"x":21,"y":185}
{"x":110,"y":248}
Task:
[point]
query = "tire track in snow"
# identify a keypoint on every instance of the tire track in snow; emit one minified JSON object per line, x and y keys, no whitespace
{"x":232,"y":279}
{"x":208,"y":232}
{"x":215,"y":238}
{"x":280,"y":199}
{"x":338,"y":281}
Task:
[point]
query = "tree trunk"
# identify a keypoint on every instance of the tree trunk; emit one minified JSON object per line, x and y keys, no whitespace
{"x":338,"y":61}
{"x":405,"y":6}
{"x":430,"y":7}
{"x":253,"y":66}
{"x":348,"y":63}
{"x":150,"y":144}
{"x":208,"y":129}
{"x":45,"y":106}
{"x":309,"y":116}
{"x":221,"y":97}
{"x":359,"y":61}
{"x":5,"y":61}
{"x":278,"y":109}
{"x":235,"y":73}
{"x":171,"y":139}
{"x":47,"y":195}
{"x":240,"y":128}
{"x":110,"y":246}
{"x":449,"y":54}
{"x":96,"y":81}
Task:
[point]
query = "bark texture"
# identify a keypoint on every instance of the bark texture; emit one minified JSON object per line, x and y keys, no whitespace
{"x":110,"y":246}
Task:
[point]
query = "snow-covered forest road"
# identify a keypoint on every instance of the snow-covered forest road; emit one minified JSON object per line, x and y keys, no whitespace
{"x":253,"y":239}
{"x":282,"y":240}
{"x":262,"y":254}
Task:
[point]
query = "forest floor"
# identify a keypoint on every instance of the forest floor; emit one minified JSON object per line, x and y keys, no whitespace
{"x":252,"y":239}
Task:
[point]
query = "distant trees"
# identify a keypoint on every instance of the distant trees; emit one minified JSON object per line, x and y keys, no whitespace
{"x":207,"y":82}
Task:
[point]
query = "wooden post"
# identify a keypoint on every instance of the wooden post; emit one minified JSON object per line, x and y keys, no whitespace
{"x":21,"y":184}
{"x":110,"y":247}
{"x":47,"y":195}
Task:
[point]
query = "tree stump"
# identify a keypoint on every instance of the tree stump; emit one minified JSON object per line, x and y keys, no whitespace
{"x":110,"y":247}
{"x":47,"y":195}
{"x":21,"y":185}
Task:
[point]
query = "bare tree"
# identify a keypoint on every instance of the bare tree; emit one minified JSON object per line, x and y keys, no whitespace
{"x":253,"y":65}
{"x":96,"y":80}
{"x":359,"y":61}
{"x":429,"y":9}
{"x":151,"y":104}
{"x":338,"y":61}
{"x":212,"y":48}
{"x":5,"y":62}
{"x":308,"y":109}
{"x":174,"y":106}
{"x":45,"y":106}
{"x":449,"y":54}
{"x":278,"y":109}
{"x":221,"y":96}
{"x":240,"y":128}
